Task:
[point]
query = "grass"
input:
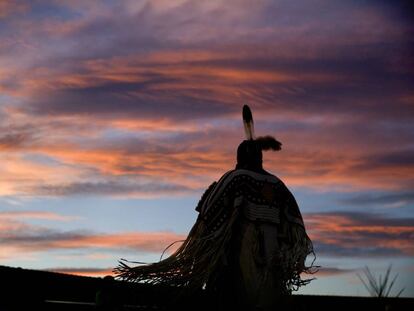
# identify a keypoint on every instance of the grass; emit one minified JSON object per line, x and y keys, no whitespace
{"x":380,"y":287}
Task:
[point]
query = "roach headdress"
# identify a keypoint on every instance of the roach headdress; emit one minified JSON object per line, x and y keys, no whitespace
{"x":249,"y":152}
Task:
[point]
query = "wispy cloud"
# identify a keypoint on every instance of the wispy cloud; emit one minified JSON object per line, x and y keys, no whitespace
{"x":389,"y":199}
{"x":13,"y":141}
{"x":18,"y":237}
{"x":359,"y":234}
{"x":142,"y":99}
{"x":332,"y":271}
{"x":95,"y":272}
{"x":112,"y":189}
{"x":136,"y":155}
{"x":172,"y":82}
{"x":18,"y":215}
{"x":9,"y":8}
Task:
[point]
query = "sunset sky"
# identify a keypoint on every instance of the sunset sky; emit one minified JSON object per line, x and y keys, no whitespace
{"x":115,"y":116}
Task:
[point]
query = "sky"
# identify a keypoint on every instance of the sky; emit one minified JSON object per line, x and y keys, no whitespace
{"x":115,"y":116}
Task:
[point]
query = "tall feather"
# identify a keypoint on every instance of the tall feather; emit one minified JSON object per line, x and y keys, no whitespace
{"x":248,"y":122}
{"x":269,"y":142}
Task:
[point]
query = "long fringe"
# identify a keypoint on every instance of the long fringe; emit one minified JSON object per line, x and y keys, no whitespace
{"x":290,"y":261}
{"x":190,"y":266}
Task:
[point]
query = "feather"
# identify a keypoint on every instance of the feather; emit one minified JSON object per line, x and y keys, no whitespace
{"x":268,"y":142}
{"x":248,"y":122}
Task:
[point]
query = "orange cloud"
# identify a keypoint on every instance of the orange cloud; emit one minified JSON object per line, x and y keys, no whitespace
{"x":92,"y":272}
{"x":17,"y":215}
{"x":330,"y":271}
{"x":214,"y":80}
{"x":144,"y":241}
{"x":360,"y":234}
{"x":192,"y":161}
{"x":8,"y":8}
{"x":21,"y":240}
{"x":19,"y":174}
{"x":21,"y":237}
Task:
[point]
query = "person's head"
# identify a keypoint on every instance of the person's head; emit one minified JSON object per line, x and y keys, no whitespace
{"x":249,"y":152}
{"x":249,"y":155}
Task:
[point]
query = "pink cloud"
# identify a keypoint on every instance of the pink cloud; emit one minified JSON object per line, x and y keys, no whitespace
{"x":7,"y":8}
{"x":92,"y":272}
{"x":17,"y":215}
{"x":18,"y":238}
{"x":360,"y":234}
{"x":182,"y":94}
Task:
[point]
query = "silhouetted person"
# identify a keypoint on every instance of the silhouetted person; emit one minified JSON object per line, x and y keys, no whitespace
{"x":248,"y":246}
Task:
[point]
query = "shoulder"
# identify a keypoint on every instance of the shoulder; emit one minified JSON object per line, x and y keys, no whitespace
{"x":241,"y":174}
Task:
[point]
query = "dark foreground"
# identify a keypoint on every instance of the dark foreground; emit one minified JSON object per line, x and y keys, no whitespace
{"x":23,"y":289}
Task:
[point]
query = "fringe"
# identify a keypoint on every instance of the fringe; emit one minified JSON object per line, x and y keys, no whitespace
{"x":190,"y":266}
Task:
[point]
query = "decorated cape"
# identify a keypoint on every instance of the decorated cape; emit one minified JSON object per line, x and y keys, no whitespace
{"x":249,"y":223}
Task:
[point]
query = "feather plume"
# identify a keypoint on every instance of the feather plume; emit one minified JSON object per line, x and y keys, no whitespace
{"x":248,"y":122}
{"x":268,"y":142}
